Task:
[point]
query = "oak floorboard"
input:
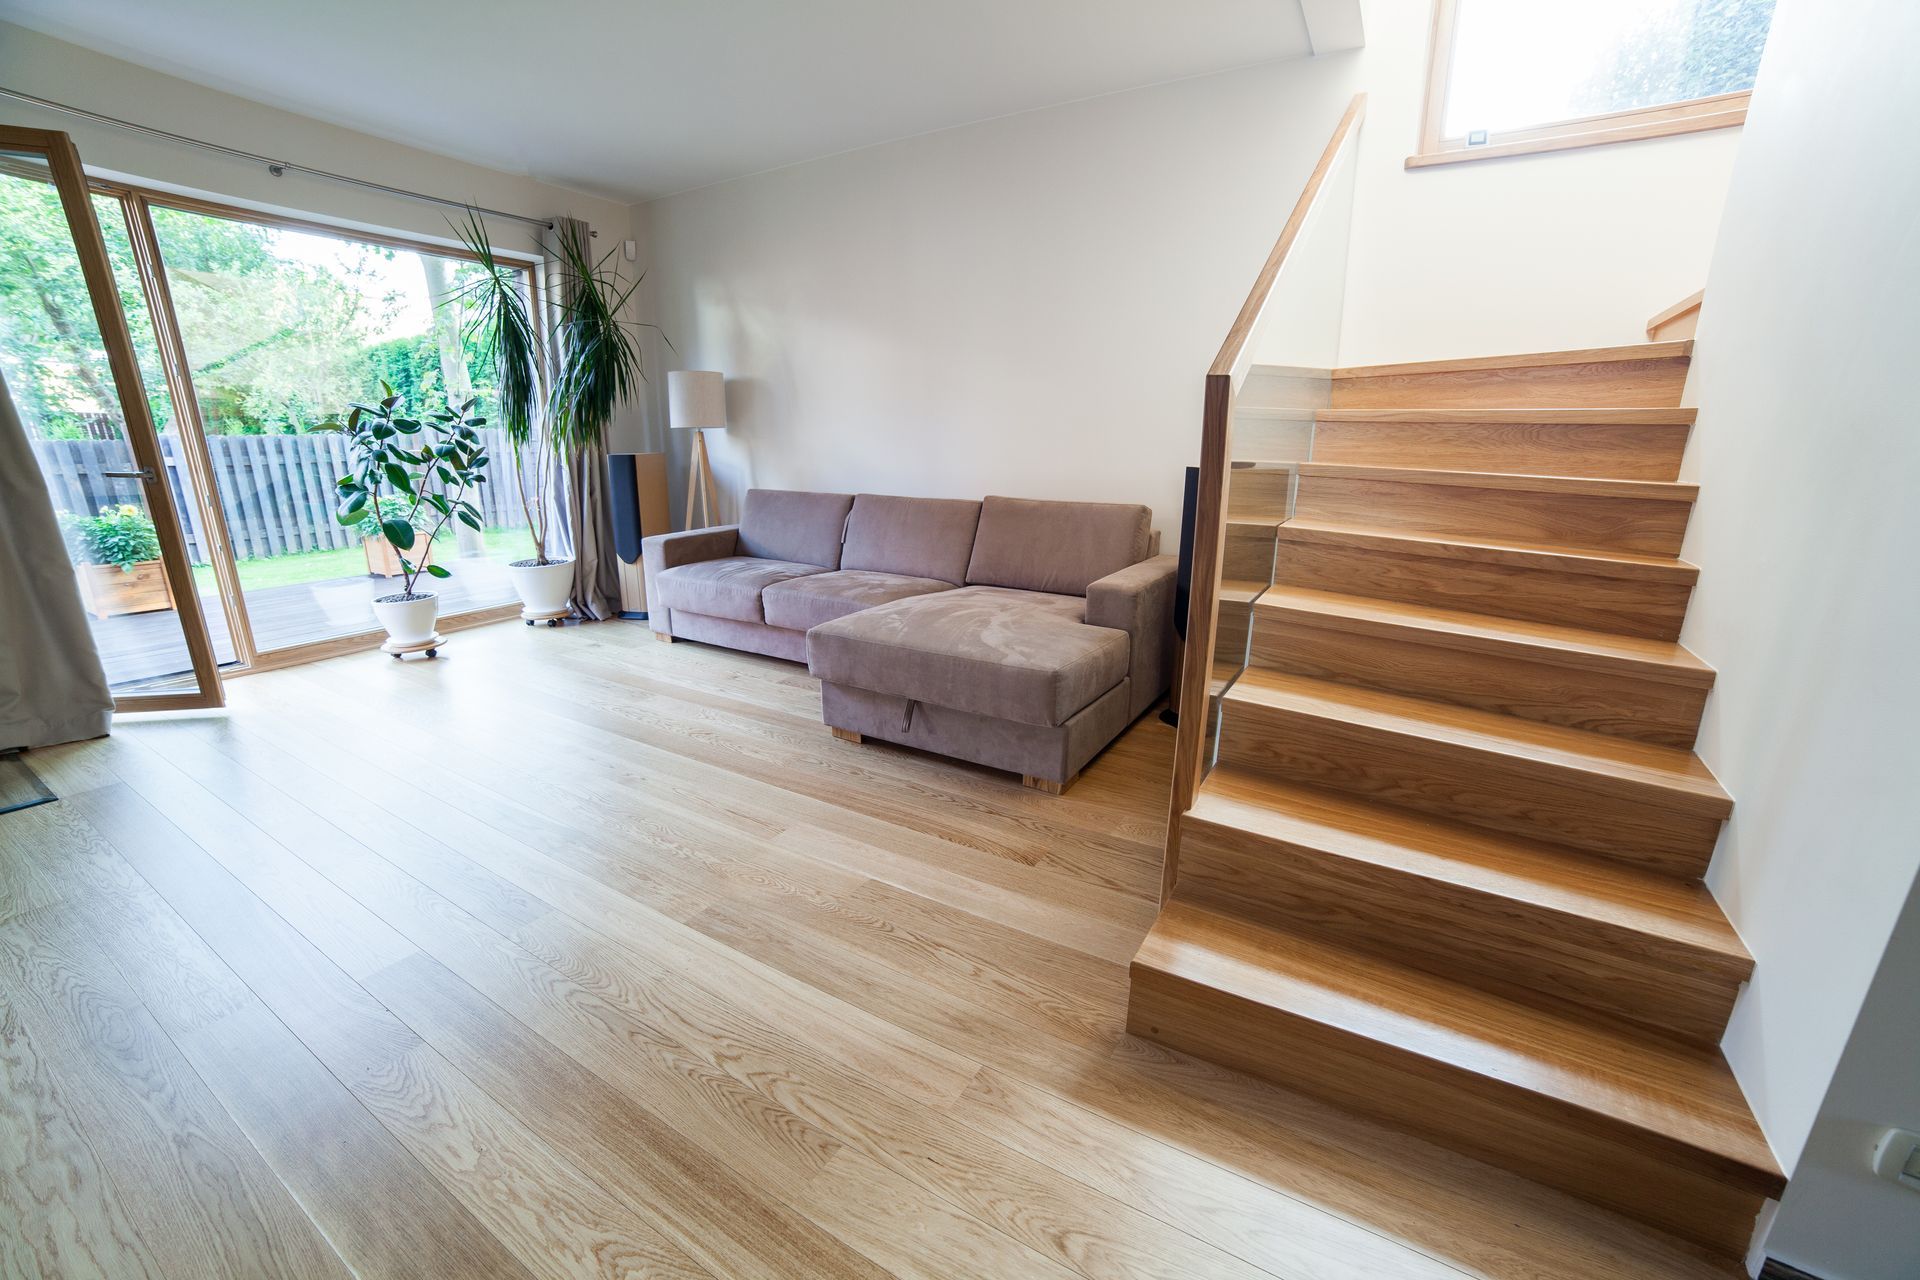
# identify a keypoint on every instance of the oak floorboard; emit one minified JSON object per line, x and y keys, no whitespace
{"x":60,"y":1212}
{"x":554,"y":1219}
{"x":210,"y":1205}
{"x":1022,"y":1196}
{"x":518,"y":914}
{"x":569,"y":953}
{"x":385,"y":1215}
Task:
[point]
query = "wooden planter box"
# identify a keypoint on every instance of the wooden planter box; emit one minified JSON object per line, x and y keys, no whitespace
{"x":384,"y":562}
{"x":108,"y":591}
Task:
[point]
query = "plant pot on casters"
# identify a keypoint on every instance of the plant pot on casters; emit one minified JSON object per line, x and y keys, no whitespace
{"x":543,"y":588}
{"x":411,"y":478}
{"x":409,"y":618}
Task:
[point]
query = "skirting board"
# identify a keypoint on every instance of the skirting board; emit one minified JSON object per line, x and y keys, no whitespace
{"x":1777,"y":1270}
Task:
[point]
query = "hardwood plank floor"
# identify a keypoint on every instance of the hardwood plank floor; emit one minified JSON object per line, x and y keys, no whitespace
{"x":571,"y":954}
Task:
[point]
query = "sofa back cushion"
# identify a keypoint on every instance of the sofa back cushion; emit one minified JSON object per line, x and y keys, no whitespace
{"x":916,"y":537}
{"x":791,"y":524}
{"x":1059,"y":547}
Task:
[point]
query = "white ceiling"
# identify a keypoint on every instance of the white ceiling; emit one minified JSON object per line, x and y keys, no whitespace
{"x":640,"y":98}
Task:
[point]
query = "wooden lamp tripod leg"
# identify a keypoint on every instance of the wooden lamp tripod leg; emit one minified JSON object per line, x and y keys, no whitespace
{"x":700,"y":484}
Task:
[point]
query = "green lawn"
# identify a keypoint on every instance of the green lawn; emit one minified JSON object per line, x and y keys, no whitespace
{"x":319,"y":566}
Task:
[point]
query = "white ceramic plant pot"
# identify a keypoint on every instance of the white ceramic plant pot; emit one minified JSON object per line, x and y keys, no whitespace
{"x":408,"y":619}
{"x":543,"y":588}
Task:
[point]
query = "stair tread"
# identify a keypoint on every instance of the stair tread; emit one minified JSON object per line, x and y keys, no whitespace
{"x":1660,"y":659}
{"x":1673,"y":769}
{"x":1241,"y":590}
{"x":1619,"y":564}
{"x":1519,"y":417}
{"x":1510,"y":867}
{"x":1686,"y":1097}
{"x":1653,"y":490}
{"x":1527,"y":360}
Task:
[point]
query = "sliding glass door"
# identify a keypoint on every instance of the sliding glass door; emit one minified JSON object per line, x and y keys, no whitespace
{"x":71,"y":367}
{"x":279,"y":328}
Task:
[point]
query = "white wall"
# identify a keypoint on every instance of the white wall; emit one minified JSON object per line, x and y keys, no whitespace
{"x":1026,"y":306}
{"x":1547,"y":252}
{"x":1807,"y":539}
{"x":1839,"y":1220}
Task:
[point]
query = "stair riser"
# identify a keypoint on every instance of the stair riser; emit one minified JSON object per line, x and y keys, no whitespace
{"x":1624,"y":384}
{"x":1637,"y":451}
{"x":1248,"y":555}
{"x":1520,"y":949}
{"x":1623,"y":606}
{"x":1259,"y":493}
{"x":1259,"y":438}
{"x":1230,"y":634}
{"x":1639,"y":823}
{"x":1590,"y":522}
{"x":1504,"y":678}
{"x":1656,"y":1181}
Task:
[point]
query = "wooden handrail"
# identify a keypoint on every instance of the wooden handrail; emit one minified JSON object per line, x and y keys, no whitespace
{"x":1209,"y":525}
{"x":1660,"y":324}
{"x":1256,"y":302}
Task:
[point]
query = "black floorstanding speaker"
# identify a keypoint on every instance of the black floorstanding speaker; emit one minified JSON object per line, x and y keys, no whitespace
{"x":1183,"y":576}
{"x":637,"y":501}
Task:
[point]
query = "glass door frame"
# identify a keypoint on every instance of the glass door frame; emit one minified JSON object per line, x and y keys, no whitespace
{"x":72,"y":185}
{"x":138,"y":203}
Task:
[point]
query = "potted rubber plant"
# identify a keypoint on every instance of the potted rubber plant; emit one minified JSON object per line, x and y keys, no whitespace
{"x":116,"y":555}
{"x":428,"y":467}
{"x":596,"y":367}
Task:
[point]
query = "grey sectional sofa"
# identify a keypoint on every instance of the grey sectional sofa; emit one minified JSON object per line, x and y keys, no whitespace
{"x":1018,"y":634}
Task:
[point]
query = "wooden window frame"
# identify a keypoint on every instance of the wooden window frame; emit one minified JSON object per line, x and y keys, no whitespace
{"x":1721,"y":111}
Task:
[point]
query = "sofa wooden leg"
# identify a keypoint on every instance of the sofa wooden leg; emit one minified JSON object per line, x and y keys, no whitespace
{"x":847,"y":735}
{"x":663,"y":637}
{"x":1047,"y":785}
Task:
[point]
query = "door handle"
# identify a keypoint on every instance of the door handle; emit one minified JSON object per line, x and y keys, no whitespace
{"x":144,"y":473}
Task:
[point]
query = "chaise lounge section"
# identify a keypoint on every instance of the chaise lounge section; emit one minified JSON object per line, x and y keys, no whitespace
{"x":1019,"y":634}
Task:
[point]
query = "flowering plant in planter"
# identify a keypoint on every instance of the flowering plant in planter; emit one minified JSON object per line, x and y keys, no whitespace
{"x":122,"y":535}
{"x":428,"y":466}
{"x":382,"y":560}
{"x":116,"y":557}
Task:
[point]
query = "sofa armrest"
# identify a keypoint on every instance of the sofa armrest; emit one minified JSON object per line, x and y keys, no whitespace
{"x":663,"y":551}
{"x":1139,"y":601}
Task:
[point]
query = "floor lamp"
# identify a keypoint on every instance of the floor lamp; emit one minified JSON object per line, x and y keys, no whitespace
{"x":696,"y":400}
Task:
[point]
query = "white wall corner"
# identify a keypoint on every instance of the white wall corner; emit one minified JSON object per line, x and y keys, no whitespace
{"x":1333,"y":25}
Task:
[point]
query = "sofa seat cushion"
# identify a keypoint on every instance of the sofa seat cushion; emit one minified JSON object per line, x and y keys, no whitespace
{"x":1014,"y":655}
{"x":728,"y":587}
{"x":800,"y":604}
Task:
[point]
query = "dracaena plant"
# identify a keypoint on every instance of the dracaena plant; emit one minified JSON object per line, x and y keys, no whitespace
{"x":429,"y":467}
{"x":596,"y":362}
{"x":502,"y":325}
{"x":598,"y":365}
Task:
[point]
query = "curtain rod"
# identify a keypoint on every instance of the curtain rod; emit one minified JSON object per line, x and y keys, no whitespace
{"x":274,"y":167}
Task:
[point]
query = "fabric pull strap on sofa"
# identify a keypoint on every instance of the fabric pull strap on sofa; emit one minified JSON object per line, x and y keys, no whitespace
{"x":1019,"y":634}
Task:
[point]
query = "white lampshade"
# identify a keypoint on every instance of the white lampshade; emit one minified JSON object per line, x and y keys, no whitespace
{"x":696,"y":398}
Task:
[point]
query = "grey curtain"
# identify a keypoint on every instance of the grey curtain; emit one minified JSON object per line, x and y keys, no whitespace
{"x":586,"y":519}
{"x":52,"y":687}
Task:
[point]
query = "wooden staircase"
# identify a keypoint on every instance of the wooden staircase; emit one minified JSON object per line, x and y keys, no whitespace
{"x":1446,"y":870}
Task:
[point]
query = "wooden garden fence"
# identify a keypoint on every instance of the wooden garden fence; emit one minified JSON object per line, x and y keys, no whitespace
{"x":276,"y":491}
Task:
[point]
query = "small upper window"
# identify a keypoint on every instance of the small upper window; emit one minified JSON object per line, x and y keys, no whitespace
{"x":1514,"y":76}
